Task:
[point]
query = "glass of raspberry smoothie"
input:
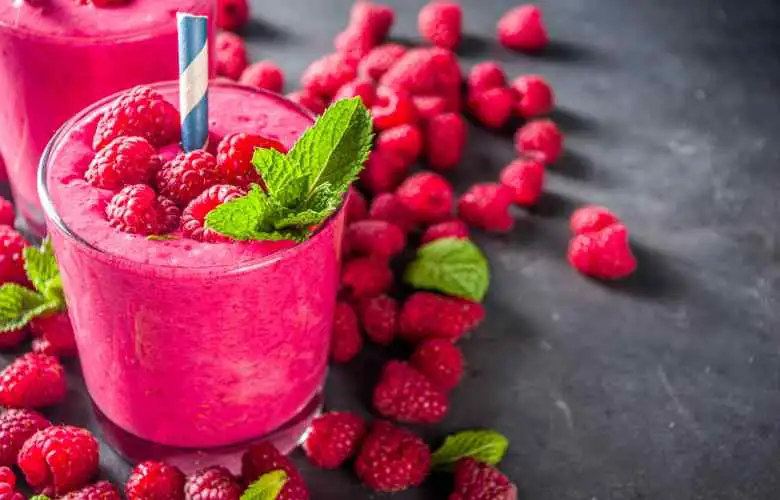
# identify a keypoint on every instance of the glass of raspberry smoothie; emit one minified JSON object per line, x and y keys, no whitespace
{"x":59,"y":56}
{"x":186,"y":344}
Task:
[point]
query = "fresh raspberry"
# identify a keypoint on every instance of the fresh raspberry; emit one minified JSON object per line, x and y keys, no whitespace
{"x":141,"y":112}
{"x":32,"y":381}
{"x":12,"y":244}
{"x":360,"y":87}
{"x":102,"y":490}
{"x":232,"y":15}
{"x":591,"y":218}
{"x":486,"y":75}
{"x":7,"y":213}
{"x":263,"y":458}
{"x":525,"y":177}
{"x":604,"y":254}
{"x":137,"y":209}
{"x":429,"y":106}
{"x":404,"y":394}
{"x":265,"y":75}
{"x":427,"y":315}
{"x":445,"y":140}
{"x":155,"y":481}
{"x":535,"y":96}
{"x":372,"y":18}
{"x":57,"y":331}
{"x":486,"y":206}
{"x":16,"y":427}
{"x":383,"y":171}
{"x":212,"y":483}
{"x":427,"y":196}
{"x":374,"y":237}
{"x":476,"y":480}
{"x":234,"y":157}
{"x":125,"y":160}
{"x":231,"y":56}
{"x":59,"y":459}
{"x":392,"y":458}
{"x":392,"y":108}
{"x":334,"y":438}
{"x":7,"y":476}
{"x":388,"y":207}
{"x":425,"y":71}
{"x":189,"y":174}
{"x":325,"y":76}
{"x":540,"y":137}
{"x":193,"y":218}
{"x":346,"y":341}
{"x":492,"y":107}
{"x":357,"y":207}
{"x":440,"y":361}
{"x":521,"y":28}
{"x":7,"y":493}
{"x":379,"y":317}
{"x":12,"y":338}
{"x":307,"y":100}
{"x":354,"y":43}
{"x":448,"y":229}
{"x":380,"y":59}
{"x":441,"y":23}
{"x":403,"y":140}
{"x":365,"y":277}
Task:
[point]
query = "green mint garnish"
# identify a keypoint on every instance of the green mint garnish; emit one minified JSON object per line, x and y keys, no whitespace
{"x":306,"y":185}
{"x":267,"y":487}
{"x":483,"y":445}
{"x":161,"y":237}
{"x":450,"y":265}
{"x":18,"y":304}
{"x":39,"y":497}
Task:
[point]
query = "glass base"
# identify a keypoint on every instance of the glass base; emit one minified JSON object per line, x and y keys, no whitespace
{"x":135,"y":449}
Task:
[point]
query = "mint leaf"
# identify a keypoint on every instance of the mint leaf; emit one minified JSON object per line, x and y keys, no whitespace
{"x":41,"y":269}
{"x":450,"y":265}
{"x":483,"y":445}
{"x":320,"y":206}
{"x":39,"y":497}
{"x":267,"y":487}
{"x":283,"y":179}
{"x":161,"y":237}
{"x":285,"y":234}
{"x":19,"y":305}
{"x":246,"y":217}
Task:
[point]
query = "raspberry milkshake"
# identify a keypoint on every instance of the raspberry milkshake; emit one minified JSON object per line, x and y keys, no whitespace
{"x":58,"y":56}
{"x":190,"y":339}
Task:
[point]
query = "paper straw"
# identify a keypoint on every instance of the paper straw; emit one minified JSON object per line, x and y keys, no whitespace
{"x":193,"y":80}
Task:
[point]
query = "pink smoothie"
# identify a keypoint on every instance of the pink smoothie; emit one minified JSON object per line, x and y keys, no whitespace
{"x":186,"y":343}
{"x":58,"y":56}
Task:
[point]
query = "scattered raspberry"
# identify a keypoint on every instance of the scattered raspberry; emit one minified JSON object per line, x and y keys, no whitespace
{"x":102,"y":490}
{"x":194,"y":216}
{"x":186,"y":176}
{"x":525,"y":177}
{"x":307,"y":100}
{"x":521,"y":29}
{"x":234,"y":157}
{"x":365,"y":277}
{"x":440,"y":361}
{"x":7,"y":214}
{"x":265,"y":75}
{"x":357,"y":207}
{"x":232,"y":15}
{"x":325,"y":76}
{"x":212,"y":483}
{"x":57,"y":331}
{"x":425,"y":71}
{"x":486,"y":206}
{"x":379,"y":317}
{"x":388,"y":207}
{"x":12,"y":244}
{"x":383,"y":171}
{"x":428,"y":197}
{"x":7,"y":493}
{"x":333,"y":438}
{"x":7,"y":476}
{"x":372,"y":18}
{"x":392,"y":108}
{"x":429,"y":106}
{"x":448,"y":229}
{"x":441,"y":23}
{"x":137,"y":209}
{"x":262,"y":458}
{"x":346,"y":340}
{"x":380,"y":59}
{"x":125,"y":160}
{"x":375,"y":237}
{"x":605,"y":254}
{"x":59,"y":459}
{"x":535,"y":96}
{"x":32,"y":381}
{"x":16,"y":427}
{"x":591,"y":218}
{"x":486,"y":75}
{"x":360,"y":87}
{"x":155,"y":481}
{"x":11,"y":339}
{"x":231,"y":56}
{"x":141,"y":112}
{"x":445,"y":140}
{"x":492,"y":107}
{"x":354,"y":43}
{"x":392,"y":459}
{"x":404,"y":394}
{"x":427,"y":315}
{"x":476,"y":480}
{"x":540,"y":136}
{"x":403,"y":140}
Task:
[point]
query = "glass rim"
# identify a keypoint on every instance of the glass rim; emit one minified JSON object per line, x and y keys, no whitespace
{"x":51,"y":213}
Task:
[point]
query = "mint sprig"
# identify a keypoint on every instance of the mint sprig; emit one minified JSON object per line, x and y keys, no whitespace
{"x":484,"y":445}
{"x":267,"y":487}
{"x":306,"y":185}
{"x":450,"y":265}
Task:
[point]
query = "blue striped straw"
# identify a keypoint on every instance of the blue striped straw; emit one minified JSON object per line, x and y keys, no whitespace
{"x":193,"y":80}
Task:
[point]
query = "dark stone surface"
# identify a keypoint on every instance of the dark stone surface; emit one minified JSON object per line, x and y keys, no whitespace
{"x":665,"y":386}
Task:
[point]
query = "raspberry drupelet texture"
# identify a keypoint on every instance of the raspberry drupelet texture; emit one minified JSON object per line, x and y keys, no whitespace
{"x":32,"y":381}
{"x":604,"y":254}
{"x":125,"y":160}
{"x":193,"y":219}
{"x":374,"y":237}
{"x":138,"y":209}
{"x":425,"y":71}
{"x":448,"y":229}
{"x":357,"y":207}
{"x":212,"y":483}
{"x":441,"y":23}
{"x":231,"y":55}
{"x":486,"y":75}
{"x":392,"y":459}
{"x":7,"y":212}
{"x":57,"y":332}
{"x":334,"y":438}
{"x":541,"y":137}
{"x":234,"y":157}
{"x":522,"y":29}
{"x":429,"y":106}
{"x":12,"y":245}
{"x":325,"y":76}
{"x":359,"y":87}
{"x":445,"y":139}
{"x":12,"y":338}
{"x":265,"y":75}
{"x":354,"y":43}
{"x":383,"y":171}
{"x":365,"y":277}
{"x":152,"y":480}
{"x":307,"y":100}
{"x":392,"y":108}
{"x":186,"y":176}
{"x":102,"y":490}
{"x":346,"y":341}
{"x":372,"y":18}
{"x":8,"y":485}
{"x":16,"y":427}
{"x":380,"y":59}
{"x":404,"y":140}
{"x":427,"y":196}
{"x":525,"y":177}
{"x":535,"y":96}
{"x":264,"y":457}
{"x":406,"y":395}
{"x":440,"y":361}
{"x":427,"y":315}
{"x":476,"y":480}
{"x":486,"y":206}
{"x":591,"y":218}
{"x":388,"y":207}
{"x":379,"y":318}
{"x":492,"y":107}
{"x":232,"y":15}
